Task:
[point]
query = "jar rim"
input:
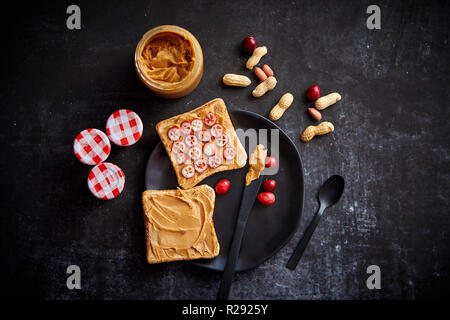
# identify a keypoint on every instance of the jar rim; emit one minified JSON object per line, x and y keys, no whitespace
{"x":175,"y":29}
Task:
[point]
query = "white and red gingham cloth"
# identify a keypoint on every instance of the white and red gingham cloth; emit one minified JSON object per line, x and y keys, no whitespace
{"x":106,"y":181}
{"x":91,"y":146}
{"x":124,"y":127}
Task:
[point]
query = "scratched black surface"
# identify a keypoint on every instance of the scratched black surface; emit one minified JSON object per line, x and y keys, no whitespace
{"x":390,"y":144}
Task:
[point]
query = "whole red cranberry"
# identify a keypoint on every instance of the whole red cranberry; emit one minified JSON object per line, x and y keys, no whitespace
{"x":313,"y":93}
{"x":266,"y":198}
{"x":249,"y":44}
{"x":269,"y":185}
{"x":223,"y":186}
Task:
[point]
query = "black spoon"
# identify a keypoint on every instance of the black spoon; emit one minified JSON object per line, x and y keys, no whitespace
{"x":329,"y":194}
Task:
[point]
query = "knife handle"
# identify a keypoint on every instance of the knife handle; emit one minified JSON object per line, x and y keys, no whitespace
{"x":247,"y":203}
{"x":233,"y":255}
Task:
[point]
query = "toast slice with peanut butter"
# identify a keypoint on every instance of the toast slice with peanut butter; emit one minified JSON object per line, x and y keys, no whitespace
{"x":201,"y":142}
{"x":179,"y":224}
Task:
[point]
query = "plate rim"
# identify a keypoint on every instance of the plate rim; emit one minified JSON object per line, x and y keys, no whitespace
{"x":283,"y":244}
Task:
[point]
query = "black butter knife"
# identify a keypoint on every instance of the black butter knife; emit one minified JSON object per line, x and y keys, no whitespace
{"x":248,"y":199}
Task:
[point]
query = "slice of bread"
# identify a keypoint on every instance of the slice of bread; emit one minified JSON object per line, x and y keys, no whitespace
{"x":216,"y":106}
{"x":179,"y":224}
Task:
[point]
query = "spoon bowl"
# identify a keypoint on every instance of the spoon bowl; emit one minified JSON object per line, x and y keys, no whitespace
{"x":331,"y":191}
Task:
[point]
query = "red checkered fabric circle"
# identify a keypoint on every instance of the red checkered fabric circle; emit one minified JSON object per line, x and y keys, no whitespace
{"x":106,"y":181}
{"x":91,"y":146}
{"x":124,"y":127}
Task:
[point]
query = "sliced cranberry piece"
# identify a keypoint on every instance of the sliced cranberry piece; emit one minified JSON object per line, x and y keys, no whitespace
{"x":191,"y":140}
{"x":204,"y":136}
{"x":215,"y":162}
{"x":180,"y":157}
{"x":186,"y":127}
{"x":188,"y":171}
{"x":209,"y":149}
{"x":210,"y":119}
{"x":195,"y":153}
{"x":178,"y":146}
{"x":217,"y":130}
{"x":200,"y":165}
{"x":174,"y":133}
{"x":221,"y":140}
{"x":197,"y":125}
{"x":229,"y":153}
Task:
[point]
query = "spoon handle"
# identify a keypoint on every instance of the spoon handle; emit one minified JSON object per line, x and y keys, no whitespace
{"x":301,"y":246}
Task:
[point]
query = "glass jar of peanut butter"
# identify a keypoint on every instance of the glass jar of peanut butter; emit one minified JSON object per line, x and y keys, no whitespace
{"x":169,"y":61}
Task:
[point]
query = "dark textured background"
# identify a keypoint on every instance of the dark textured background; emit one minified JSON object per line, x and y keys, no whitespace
{"x":390,"y":144}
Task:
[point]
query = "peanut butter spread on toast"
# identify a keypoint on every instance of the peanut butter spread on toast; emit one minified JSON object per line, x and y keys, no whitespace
{"x":179,"y":224}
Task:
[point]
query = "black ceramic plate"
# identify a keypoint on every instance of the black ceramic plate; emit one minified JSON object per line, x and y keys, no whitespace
{"x":269,"y":227}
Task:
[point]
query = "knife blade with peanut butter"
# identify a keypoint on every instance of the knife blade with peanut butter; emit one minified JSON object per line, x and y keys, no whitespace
{"x":257,"y":164}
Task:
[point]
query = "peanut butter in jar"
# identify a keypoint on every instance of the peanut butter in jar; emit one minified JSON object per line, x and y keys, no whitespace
{"x":169,"y":61}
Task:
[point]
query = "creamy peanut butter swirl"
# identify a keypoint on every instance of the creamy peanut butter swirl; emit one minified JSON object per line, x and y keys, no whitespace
{"x":179,"y":224}
{"x":167,"y":58}
{"x":257,"y":164}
